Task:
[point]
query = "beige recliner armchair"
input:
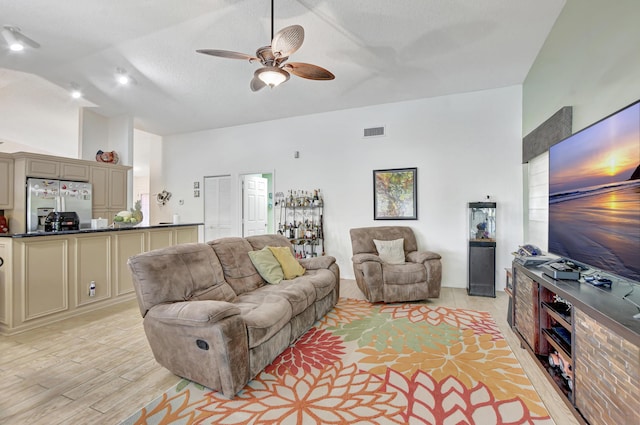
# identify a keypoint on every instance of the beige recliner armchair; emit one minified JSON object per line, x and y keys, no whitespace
{"x":412,"y":275}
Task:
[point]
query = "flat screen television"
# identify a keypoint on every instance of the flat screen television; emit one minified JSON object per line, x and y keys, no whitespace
{"x":594,"y":195}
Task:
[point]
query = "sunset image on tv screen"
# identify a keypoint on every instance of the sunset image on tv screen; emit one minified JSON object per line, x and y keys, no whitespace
{"x":594,"y":195}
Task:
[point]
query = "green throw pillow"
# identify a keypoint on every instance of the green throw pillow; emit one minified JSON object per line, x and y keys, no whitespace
{"x":267,"y":265}
{"x":290,"y":266}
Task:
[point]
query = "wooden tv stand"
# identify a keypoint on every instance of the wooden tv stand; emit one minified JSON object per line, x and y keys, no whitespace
{"x":597,"y":336}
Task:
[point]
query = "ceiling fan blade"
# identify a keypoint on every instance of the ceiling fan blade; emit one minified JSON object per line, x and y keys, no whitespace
{"x":309,"y":71}
{"x":227,"y":54}
{"x":287,"y":40}
{"x":28,"y":40}
{"x":257,"y":84}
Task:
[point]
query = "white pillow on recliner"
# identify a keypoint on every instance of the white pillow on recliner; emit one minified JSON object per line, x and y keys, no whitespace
{"x":391,"y":252}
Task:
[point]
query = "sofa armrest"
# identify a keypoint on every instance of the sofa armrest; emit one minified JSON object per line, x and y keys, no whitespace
{"x":192,"y":313}
{"x":317,"y":263}
{"x":363,"y":258}
{"x":422,"y":256}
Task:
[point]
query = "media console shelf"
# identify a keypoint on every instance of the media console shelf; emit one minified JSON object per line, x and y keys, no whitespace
{"x":586,"y":341}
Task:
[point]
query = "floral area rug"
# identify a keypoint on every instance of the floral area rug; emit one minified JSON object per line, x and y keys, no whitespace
{"x":374,"y":364}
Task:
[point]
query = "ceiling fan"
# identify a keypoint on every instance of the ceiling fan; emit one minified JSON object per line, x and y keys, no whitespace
{"x":16,"y":40}
{"x":275,"y":70}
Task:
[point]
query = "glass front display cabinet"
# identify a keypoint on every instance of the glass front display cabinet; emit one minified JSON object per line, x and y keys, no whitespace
{"x":482,"y":249}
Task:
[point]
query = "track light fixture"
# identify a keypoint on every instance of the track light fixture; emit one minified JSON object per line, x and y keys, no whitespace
{"x":16,"y":40}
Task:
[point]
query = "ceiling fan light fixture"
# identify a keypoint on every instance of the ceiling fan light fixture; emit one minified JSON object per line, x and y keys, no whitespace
{"x":272,"y":76}
{"x":12,"y":41}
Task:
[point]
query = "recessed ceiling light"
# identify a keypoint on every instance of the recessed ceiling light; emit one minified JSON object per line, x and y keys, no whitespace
{"x":122,"y":77}
{"x":75,"y":92}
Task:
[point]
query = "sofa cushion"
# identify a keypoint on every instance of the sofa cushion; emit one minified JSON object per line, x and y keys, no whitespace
{"x":267,"y":265}
{"x":261,"y":241}
{"x":391,"y":252}
{"x":300,"y":293}
{"x":178,"y":273}
{"x":263,"y":314}
{"x":239,"y":271}
{"x":323,"y":281}
{"x":401,"y":274}
{"x":290,"y":266}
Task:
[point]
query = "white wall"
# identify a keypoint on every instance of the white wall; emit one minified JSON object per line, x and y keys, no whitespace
{"x":465,"y":147}
{"x":94,"y":133}
{"x":37,"y":115}
{"x":590,"y":61}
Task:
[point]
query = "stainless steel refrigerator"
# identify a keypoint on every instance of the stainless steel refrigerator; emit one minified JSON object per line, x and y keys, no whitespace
{"x":46,"y":195}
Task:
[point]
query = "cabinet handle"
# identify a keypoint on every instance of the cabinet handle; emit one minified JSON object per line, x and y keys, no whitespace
{"x":1,"y":261}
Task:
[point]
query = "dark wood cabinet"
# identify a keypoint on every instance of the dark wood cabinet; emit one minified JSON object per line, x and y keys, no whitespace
{"x":585,"y":340}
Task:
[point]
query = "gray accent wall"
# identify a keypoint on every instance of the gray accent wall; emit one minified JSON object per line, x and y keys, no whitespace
{"x":547,"y":134}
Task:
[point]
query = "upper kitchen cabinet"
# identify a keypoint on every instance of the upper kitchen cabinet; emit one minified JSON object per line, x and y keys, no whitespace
{"x":6,"y":182}
{"x":109,"y":187}
{"x":56,"y":169}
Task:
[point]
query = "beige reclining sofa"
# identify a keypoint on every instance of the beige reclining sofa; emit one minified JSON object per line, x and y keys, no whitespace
{"x":210,"y":317}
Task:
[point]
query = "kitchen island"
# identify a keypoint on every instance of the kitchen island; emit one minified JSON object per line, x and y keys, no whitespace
{"x":46,"y":277}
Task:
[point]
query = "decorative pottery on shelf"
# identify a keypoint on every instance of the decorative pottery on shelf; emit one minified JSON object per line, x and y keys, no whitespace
{"x":108,"y":157}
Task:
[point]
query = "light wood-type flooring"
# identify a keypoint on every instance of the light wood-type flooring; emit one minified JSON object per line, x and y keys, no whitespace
{"x":98,"y":369}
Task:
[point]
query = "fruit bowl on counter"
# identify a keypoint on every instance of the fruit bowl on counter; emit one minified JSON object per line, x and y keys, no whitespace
{"x":127,"y":219}
{"x":122,"y":224}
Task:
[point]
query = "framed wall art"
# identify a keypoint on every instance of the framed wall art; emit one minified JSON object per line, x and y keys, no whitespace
{"x":395,"y":195}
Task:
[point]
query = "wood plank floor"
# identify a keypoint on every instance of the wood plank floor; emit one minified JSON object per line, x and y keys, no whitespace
{"x":98,"y":368}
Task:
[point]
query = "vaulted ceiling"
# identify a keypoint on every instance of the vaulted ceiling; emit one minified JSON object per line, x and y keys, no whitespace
{"x":380,"y":52}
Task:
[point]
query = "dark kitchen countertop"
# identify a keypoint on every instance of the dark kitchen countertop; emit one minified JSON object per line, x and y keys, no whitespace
{"x":84,"y":231}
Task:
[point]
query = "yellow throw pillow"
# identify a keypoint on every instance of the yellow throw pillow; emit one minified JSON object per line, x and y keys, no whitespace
{"x":290,"y":266}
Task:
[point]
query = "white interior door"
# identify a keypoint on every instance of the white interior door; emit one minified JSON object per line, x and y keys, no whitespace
{"x":254,"y":205}
{"x":217,"y":207}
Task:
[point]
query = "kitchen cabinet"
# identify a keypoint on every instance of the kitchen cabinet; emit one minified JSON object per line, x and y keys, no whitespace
{"x":109,"y":190}
{"x":75,"y":172}
{"x":6,"y":183}
{"x":92,"y":264}
{"x":47,"y":277}
{"x":43,"y":168}
{"x":44,"y":278}
{"x":160,"y":238}
{"x":185,"y":235}
{"x":125,"y":244}
{"x":6,"y":278}
{"x":55,"y":169}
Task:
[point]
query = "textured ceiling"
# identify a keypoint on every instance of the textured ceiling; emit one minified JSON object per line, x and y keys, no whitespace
{"x":380,"y":51}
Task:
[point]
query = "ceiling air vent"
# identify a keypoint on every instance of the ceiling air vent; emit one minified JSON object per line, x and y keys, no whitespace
{"x":374,"y":132}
